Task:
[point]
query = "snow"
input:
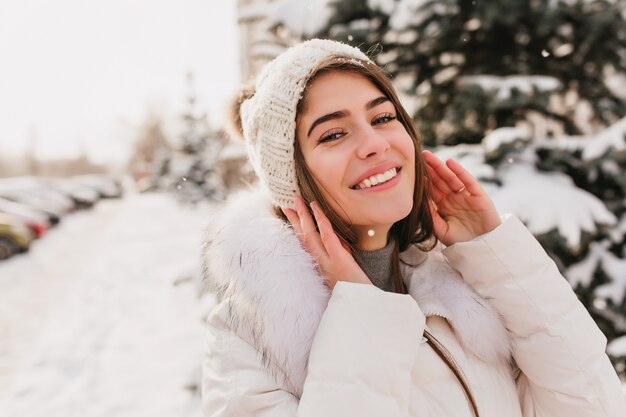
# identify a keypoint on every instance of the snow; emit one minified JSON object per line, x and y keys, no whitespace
{"x":302,"y":18}
{"x":563,"y":50}
{"x":615,"y":268}
{"x":503,"y":86}
{"x":404,"y":81}
{"x":361,"y":24}
{"x":564,"y":207}
{"x":449,"y":58}
{"x":387,"y":57}
{"x":571,"y":3}
{"x":618,"y":233}
{"x":504,"y":135}
{"x":593,"y":146}
{"x":473,"y":24}
{"x":470,"y":156}
{"x":409,"y":13}
{"x":384,"y":6}
{"x":102,"y":317}
{"x":446,"y":74}
{"x":582,"y":273}
{"x":617,"y":347}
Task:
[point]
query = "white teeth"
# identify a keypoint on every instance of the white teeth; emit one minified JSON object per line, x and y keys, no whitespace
{"x":377,"y":179}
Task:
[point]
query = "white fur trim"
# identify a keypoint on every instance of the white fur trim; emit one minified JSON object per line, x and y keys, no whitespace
{"x":440,"y":290}
{"x":254,"y":262}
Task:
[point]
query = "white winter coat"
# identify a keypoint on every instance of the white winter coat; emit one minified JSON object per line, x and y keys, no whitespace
{"x":281,"y":345}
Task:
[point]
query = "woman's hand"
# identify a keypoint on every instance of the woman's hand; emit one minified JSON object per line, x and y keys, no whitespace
{"x":460,"y":208}
{"x":333,"y":259}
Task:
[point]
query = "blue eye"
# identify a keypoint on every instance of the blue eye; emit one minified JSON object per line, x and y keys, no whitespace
{"x":383,"y":118}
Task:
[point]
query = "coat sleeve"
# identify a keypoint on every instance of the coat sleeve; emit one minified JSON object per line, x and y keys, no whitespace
{"x":556,"y":344}
{"x":360,"y":362}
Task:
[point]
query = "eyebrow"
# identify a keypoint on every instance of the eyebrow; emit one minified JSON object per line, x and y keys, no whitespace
{"x":343,"y":113}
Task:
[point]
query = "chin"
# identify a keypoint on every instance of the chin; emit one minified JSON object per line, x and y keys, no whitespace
{"x":402,"y":211}
{"x":389,"y":213}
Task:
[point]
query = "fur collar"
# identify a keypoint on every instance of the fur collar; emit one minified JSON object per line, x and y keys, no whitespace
{"x":254,"y":262}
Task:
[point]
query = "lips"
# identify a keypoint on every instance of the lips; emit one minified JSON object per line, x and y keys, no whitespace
{"x":378,"y":169}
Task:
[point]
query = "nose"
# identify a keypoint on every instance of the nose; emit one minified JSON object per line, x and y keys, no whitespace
{"x":372,"y":143}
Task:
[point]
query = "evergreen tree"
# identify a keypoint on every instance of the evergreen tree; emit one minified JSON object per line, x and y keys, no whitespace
{"x":191,"y":171}
{"x":520,"y":92}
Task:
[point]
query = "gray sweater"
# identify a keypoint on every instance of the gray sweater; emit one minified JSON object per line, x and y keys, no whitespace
{"x":377,"y":265}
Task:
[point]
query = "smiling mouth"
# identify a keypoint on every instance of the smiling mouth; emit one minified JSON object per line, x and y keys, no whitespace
{"x":377,"y":179}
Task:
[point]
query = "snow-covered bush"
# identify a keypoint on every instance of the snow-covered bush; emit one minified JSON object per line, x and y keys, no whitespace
{"x":529,"y":96}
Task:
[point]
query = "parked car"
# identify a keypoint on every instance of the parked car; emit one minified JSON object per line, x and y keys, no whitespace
{"x":34,"y":191}
{"x":83,"y":195}
{"x":15,"y":236}
{"x":54,"y":213}
{"x":104,"y":185}
{"x":36,"y":220}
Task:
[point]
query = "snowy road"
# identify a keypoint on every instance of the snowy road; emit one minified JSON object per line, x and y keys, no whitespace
{"x":102,"y":317}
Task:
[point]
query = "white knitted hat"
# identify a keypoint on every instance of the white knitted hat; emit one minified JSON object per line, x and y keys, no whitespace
{"x":268,"y":118}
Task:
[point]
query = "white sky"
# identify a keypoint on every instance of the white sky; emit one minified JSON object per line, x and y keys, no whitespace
{"x":83,"y":74}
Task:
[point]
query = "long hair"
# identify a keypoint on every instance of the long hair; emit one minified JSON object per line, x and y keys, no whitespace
{"x":417,"y":226}
{"x":414,"y":229}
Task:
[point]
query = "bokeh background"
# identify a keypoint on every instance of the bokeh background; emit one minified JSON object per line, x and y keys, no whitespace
{"x":116,"y":146}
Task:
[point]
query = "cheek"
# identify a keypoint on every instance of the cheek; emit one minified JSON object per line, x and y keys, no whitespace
{"x":328,"y":169}
{"x":406,"y":147}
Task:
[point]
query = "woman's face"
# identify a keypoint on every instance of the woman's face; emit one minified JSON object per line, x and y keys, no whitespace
{"x":359,"y":153}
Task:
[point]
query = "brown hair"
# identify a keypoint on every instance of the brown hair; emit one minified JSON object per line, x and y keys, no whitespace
{"x":416,"y":227}
{"x":445,"y":355}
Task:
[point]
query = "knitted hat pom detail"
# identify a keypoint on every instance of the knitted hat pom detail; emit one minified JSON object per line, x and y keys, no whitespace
{"x":268,"y":117}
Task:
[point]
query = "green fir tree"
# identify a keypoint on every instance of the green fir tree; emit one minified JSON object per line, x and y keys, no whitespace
{"x":530,"y":96}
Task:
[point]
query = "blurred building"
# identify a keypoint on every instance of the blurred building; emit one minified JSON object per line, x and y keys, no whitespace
{"x":266,"y":28}
{"x":261,"y":39}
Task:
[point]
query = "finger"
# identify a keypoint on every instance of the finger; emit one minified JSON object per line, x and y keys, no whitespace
{"x":306,"y":221}
{"x":471,"y":184}
{"x":309,"y":237}
{"x":440,"y":226}
{"x":345,"y":245}
{"x":293,"y":218}
{"x":436,"y":194}
{"x":439,"y":183}
{"x":444,"y":172}
{"x":432,"y":162}
{"x":330,"y":240}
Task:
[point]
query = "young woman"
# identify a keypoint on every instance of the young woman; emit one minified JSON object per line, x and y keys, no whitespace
{"x":364,"y":277}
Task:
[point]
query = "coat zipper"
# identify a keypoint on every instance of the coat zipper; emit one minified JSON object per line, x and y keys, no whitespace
{"x":468,"y":394}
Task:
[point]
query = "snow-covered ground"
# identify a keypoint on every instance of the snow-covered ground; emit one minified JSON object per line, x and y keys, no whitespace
{"x":103,"y":318}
